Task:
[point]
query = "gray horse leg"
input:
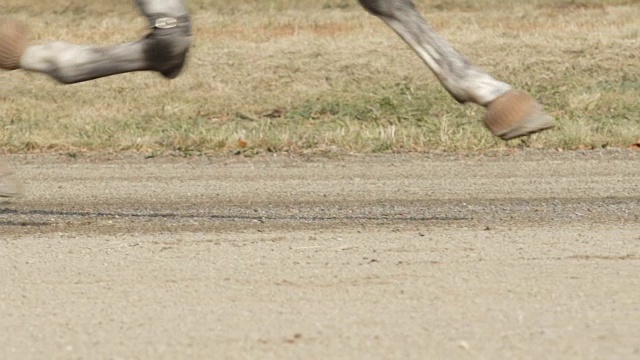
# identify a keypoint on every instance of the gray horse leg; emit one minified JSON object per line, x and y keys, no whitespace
{"x":163,"y":50}
{"x":510,"y":113}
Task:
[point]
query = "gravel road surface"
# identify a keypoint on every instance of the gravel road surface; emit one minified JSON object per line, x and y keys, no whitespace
{"x":522,"y":255}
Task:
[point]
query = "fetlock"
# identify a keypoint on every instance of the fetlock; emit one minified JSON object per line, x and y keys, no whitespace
{"x":168,"y":44}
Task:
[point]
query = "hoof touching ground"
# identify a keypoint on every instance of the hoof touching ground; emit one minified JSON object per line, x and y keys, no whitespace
{"x":13,"y":43}
{"x":516,"y":114}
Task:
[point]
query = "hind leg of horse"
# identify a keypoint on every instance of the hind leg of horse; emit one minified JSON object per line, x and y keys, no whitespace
{"x":163,"y":50}
{"x":510,"y":113}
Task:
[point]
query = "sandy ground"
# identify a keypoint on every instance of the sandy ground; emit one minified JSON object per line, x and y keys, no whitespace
{"x":533,"y":255}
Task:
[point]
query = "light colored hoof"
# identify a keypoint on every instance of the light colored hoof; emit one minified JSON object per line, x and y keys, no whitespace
{"x":516,"y":114}
{"x":13,"y":43}
{"x":9,"y":184}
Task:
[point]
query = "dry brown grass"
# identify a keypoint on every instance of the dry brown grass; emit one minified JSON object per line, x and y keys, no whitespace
{"x":302,"y":75}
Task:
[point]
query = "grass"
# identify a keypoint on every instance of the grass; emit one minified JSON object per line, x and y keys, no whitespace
{"x":309,"y":76}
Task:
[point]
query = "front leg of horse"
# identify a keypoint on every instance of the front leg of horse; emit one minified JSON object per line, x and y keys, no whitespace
{"x":510,"y":113}
{"x":163,"y":50}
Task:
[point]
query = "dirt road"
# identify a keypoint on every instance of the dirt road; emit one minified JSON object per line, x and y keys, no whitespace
{"x":528,"y":256}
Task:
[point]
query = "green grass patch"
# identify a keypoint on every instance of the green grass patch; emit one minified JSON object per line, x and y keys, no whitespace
{"x":306,"y":76}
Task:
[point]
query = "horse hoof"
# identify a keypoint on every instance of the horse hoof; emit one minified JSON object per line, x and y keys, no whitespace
{"x":9,"y":185}
{"x":516,"y":114}
{"x":13,"y":43}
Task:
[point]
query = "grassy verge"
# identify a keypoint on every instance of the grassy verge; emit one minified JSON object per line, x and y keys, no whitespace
{"x":307,"y":76}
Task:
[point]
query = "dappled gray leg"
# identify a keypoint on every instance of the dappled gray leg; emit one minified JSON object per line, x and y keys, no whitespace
{"x":464,"y":81}
{"x":510,"y":113}
{"x":164,"y":49}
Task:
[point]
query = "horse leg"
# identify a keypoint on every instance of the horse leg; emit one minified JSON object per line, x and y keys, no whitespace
{"x":510,"y":113}
{"x":163,"y":50}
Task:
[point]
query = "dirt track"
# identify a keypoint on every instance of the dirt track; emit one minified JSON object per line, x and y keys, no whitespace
{"x":532,"y":255}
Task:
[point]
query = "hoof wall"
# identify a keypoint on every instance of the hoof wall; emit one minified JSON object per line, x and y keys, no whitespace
{"x":516,"y":114}
{"x":13,"y":43}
